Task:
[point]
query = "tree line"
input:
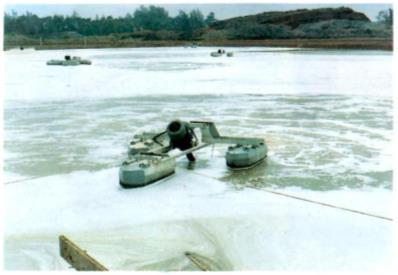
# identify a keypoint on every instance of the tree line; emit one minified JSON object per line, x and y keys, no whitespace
{"x":386,"y":17}
{"x":146,"y":19}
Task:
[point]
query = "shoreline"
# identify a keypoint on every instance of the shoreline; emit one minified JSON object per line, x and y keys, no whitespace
{"x":349,"y":43}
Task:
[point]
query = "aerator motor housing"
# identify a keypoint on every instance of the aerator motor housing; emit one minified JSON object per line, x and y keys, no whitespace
{"x":150,"y":155}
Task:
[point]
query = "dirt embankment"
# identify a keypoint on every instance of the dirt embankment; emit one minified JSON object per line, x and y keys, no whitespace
{"x":355,"y":43}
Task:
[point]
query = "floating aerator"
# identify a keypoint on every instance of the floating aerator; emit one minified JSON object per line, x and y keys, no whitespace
{"x":149,"y":160}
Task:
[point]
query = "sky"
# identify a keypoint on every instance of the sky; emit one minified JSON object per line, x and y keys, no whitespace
{"x":222,"y":11}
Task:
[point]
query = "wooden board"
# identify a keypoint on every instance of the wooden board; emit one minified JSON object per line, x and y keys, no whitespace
{"x":77,"y":257}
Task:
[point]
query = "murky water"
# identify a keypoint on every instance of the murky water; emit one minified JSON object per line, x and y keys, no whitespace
{"x":326,"y":117}
{"x":316,"y":141}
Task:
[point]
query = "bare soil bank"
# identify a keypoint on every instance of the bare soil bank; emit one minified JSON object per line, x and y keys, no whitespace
{"x":355,"y":43}
{"x":377,"y":44}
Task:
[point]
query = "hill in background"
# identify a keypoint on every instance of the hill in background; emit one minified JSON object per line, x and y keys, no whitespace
{"x":303,"y":23}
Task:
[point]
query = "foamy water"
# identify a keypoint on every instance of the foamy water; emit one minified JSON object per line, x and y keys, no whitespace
{"x":326,"y":117}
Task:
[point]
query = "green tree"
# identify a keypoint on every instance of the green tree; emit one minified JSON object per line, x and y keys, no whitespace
{"x":151,"y":18}
{"x":196,"y":20}
{"x":182,"y":25}
{"x":75,"y":14}
{"x":210,"y":19}
{"x":385,"y":17}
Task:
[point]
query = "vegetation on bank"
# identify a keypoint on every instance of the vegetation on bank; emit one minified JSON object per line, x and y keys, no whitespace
{"x":154,"y":26}
{"x":148,"y":22}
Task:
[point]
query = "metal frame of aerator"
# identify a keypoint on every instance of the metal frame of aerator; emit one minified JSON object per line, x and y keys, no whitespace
{"x":210,"y":135}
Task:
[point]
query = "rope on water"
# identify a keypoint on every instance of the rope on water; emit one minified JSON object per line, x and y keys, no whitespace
{"x":24,"y":179}
{"x":308,"y":200}
{"x":322,"y":203}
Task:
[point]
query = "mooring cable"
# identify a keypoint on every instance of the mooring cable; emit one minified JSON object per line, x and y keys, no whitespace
{"x":307,"y":200}
{"x":24,"y":179}
{"x":321,"y":203}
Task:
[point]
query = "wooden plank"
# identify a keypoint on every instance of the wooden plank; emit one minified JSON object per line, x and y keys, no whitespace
{"x":78,"y":258}
{"x":197,"y":262}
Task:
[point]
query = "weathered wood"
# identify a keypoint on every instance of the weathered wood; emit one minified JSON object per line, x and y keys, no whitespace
{"x":197,"y":262}
{"x":78,"y":258}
